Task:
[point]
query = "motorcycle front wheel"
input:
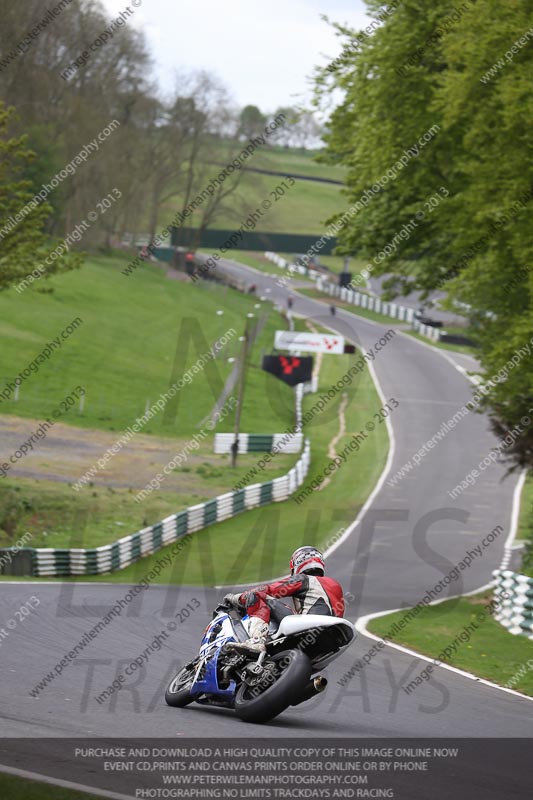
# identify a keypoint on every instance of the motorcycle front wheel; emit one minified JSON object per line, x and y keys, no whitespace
{"x":284,"y":677}
{"x":178,"y":691}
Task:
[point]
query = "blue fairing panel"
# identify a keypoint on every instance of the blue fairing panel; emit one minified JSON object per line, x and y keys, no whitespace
{"x":209,"y":683}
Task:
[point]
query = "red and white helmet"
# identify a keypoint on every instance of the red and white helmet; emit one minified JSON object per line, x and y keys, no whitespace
{"x":307,"y":559}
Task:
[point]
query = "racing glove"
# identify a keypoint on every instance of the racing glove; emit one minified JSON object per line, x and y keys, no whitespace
{"x":233,"y":600}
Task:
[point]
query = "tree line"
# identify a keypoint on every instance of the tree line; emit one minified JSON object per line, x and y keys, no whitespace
{"x":467,"y":195}
{"x":68,"y":74}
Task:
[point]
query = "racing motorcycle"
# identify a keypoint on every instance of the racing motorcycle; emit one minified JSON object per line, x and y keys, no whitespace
{"x":259,"y":686}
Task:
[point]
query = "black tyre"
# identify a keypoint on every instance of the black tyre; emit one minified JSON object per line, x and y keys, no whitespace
{"x":178,"y":690}
{"x":286,"y":675}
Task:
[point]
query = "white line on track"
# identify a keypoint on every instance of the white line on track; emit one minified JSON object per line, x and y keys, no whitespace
{"x":515,"y":517}
{"x":362,"y":622}
{"x":361,"y":627}
{"x":444,"y":354}
{"x":375,"y":491}
{"x":382,"y":477}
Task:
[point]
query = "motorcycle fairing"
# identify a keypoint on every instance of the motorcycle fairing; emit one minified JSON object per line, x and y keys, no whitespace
{"x":320,"y":637}
{"x":330,"y":635}
{"x":220,"y":631}
{"x":295,"y":623}
{"x":208,"y":683}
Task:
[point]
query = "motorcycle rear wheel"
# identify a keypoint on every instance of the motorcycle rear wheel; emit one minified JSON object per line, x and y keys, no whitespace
{"x":293,"y":672}
{"x":178,"y":691}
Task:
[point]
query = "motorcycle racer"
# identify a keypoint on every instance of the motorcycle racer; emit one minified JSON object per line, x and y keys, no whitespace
{"x":312,"y":593}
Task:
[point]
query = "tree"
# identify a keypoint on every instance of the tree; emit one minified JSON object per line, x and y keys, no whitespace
{"x":163,"y":149}
{"x":252,"y":122}
{"x":191,"y":137}
{"x":307,"y":131}
{"x":64,"y":107}
{"x":449,"y":72}
{"x":285,"y":132}
{"x":24,"y":245}
{"x":492,"y":108}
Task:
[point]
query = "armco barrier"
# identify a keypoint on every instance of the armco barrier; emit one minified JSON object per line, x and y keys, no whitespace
{"x":427,"y":330}
{"x":282,"y":263}
{"x":259,"y":443}
{"x":363,"y":300}
{"x":16,"y":561}
{"x":367,"y":301}
{"x":515,"y":595}
{"x":52,"y":562}
{"x":401,"y":313}
{"x":120,"y":554}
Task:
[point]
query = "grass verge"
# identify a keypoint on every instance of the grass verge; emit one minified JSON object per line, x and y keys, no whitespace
{"x":250,"y":547}
{"x":13,"y":788}
{"x":525,"y":526}
{"x":302,"y":209}
{"x":491,"y":652}
{"x":456,"y":348}
{"x":122,"y":353}
{"x":58,"y":517}
{"x":127,"y":352}
{"x":525,"y":522}
{"x":256,"y":545}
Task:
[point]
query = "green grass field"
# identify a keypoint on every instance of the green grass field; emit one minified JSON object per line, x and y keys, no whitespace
{"x":124,"y":356}
{"x":491,"y":652}
{"x":289,"y":160}
{"x":525,"y":526}
{"x":139,"y":336}
{"x":254,"y":545}
{"x":303,"y":209}
{"x":151,"y":330}
{"x":56,"y":516}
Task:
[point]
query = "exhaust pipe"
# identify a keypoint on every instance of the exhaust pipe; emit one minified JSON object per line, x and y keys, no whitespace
{"x":314,"y":687}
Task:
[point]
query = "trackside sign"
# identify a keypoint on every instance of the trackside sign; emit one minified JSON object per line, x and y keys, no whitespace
{"x":309,"y":342}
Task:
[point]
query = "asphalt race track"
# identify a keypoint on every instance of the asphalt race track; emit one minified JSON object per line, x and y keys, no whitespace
{"x":411,"y":536}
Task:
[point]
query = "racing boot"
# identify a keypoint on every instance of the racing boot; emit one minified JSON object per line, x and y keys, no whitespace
{"x":258,"y":632}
